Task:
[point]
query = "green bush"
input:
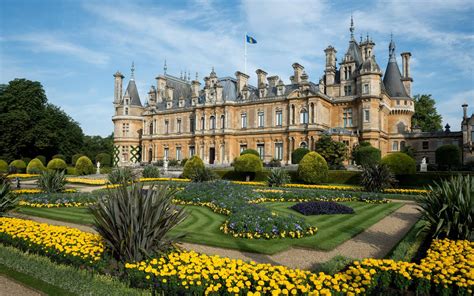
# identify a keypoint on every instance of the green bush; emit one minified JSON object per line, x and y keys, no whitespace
{"x":35,"y":166}
{"x":84,"y":166}
{"x":448,"y":209}
{"x":367,"y":155}
{"x":150,"y":213}
{"x":278,"y":177}
{"x":250,"y":151}
{"x":298,"y":154}
{"x":52,"y":181}
{"x":313,"y":168}
{"x":173,"y":163}
{"x":75,"y":157}
{"x":191,"y":165}
{"x":377,"y":177}
{"x":332,"y":151}
{"x":399,"y":163}
{"x":71,"y":171}
{"x":151,"y":172}
{"x":248,"y":164}
{"x":274,"y":163}
{"x":344,"y":177}
{"x":183,"y":162}
{"x":42,"y":158}
{"x":105,"y":159}
{"x":121,"y":175}
{"x":199,"y":174}
{"x":3,"y":166}
{"x":26,"y":159}
{"x":57,"y":164}
{"x":18,"y":165}
{"x":8,"y":201}
{"x":60,"y":156}
{"x":448,"y":156}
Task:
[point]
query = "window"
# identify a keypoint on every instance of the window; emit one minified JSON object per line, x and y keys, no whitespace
{"x":292,"y":114}
{"x":425,"y":145}
{"x":279,"y":118}
{"x":126,"y":101}
{"x":395,"y":146}
{"x":167,"y":126}
{"x":366,"y":115}
{"x":279,"y":151}
{"x":365,"y":89}
{"x":192,"y":151}
{"x":312,"y":112}
{"x":261,"y":119}
{"x":347,"y":90}
{"x":472,"y":133}
{"x":178,"y":126}
{"x":303,"y":145}
{"x":402,"y":145}
{"x":202,"y":123}
{"x":125,"y":129}
{"x":222,"y":121}
{"x":244,"y":120}
{"x":398,"y":102}
{"x":213,"y":122}
{"x":166,"y":153}
{"x":151,"y":128}
{"x":261,"y":150}
{"x":405,"y":102}
{"x":126,"y":111}
{"x":178,"y":153}
{"x":243,"y":147}
{"x":303,"y":116}
{"x":191,"y":125}
{"x":347,"y":117}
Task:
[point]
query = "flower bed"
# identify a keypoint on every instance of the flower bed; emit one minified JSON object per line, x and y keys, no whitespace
{"x":325,"y":187}
{"x":63,"y":244}
{"x":86,"y":181}
{"x":321,"y":208}
{"x":55,"y":200}
{"x":36,"y":191}
{"x":22,"y":176}
{"x":164,"y":179}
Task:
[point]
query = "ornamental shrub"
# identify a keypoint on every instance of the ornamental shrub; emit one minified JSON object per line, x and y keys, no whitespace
{"x":183,"y":162}
{"x":35,"y":166}
{"x":367,"y":155}
{"x":105,"y":159}
{"x":278,"y":177}
{"x":42,"y":158}
{"x":448,"y":156}
{"x":8,"y":201}
{"x":60,"y":156}
{"x":274,"y":163}
{"x":3,"y":166}
{"x":84,"y":166}
{"x":18,"y":165}
{"x":75,"y":157}
{"x":250,"y":151}
{"x":57,"y":164}
{"x":298,"y":154}
{"x":399,"y":163}
{"x":151,"y":172}
{"x":121,"y":176}
{"x":52,"y":181}
{"x":248,"y":164}
{"x":377,"y":177}
{"x":199,"y":174}
{"x":313,"y":168}
{"x":192,"y":165}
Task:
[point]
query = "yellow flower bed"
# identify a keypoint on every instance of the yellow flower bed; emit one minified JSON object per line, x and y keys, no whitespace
{"x":250,"y":183}
{"x":12,"y":176}
{"x":87,"y":181}
{"x":406,"y":191}
{"x":37,"y":190}
{"x":269,"y":190}
{"x":164,"y":179}
{"x":326,"y":187}
{"x":51,"y":240}
{"x":54,"y":205}
{"x":210,"y":205}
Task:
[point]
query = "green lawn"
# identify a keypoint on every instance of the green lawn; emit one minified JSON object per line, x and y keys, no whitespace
{"x":202,"y":226}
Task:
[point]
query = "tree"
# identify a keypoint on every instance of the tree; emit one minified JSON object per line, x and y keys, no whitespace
{"x":333,"y":152}
{"x":249,"y":164}
{"x":426,"y":116}
{"x":93,"y":145}
{"x":448,"y":156}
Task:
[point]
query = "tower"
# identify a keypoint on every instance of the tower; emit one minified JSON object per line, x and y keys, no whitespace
{"x":118,"y":87}
{"x":406,"y":78}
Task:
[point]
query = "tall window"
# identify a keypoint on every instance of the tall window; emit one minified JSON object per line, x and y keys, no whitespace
{"x":347,"y":117}
{"x":202,"y":123}
{"x":244,"y":120}
{"x":292,"y":114}
{"x":243,"y":147}
{"x":151,"y":128}
{"x":192,"y":151}
{"x":402,"y":145}
{"x":126,"y":111}
{"x":261,"y":150}
{"x":167,"y":126}
{"x":347,"y":90}
{"x":312,"y":112}
{"x":395,"y":146}
{"x":191,"y":125}
{"x":365,"y":88}
{"x":304,"y":116}
{"x":279,"y":118}
{"x":261,"y":119}
{"x":178,"y":153}
{"x":213,"y":122}
{"x":222,"y":121}
{"x":178,"y":126}
{"x":425,"y":145}
{"x":279,"y":151}
{"x":366,"y":115}
{"x":125,"y":129}
{"x":166,"y":153}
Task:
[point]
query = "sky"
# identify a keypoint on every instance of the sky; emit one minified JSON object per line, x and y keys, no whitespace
{"x":74,"y":47}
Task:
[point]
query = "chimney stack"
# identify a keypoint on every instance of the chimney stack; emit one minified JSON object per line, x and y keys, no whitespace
{"x":273,"y":80}
{"x":118,"y":87}
{"x":242,"y":80}
{"x":406,"y":79}
{"x":298,"y":70}
{"x":261,"y":78}
{"x":464,"y":109}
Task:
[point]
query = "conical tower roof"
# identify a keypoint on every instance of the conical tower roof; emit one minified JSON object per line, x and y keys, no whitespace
{"x":393,"y":78}
{"x":132,"y":91}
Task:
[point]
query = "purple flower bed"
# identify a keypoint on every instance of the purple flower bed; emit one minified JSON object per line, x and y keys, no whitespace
{"x":321,"y":208}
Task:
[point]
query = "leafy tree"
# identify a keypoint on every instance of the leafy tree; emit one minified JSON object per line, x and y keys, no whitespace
{"x":333,"y":152}
{"x":409,"y":150}
{"x":94,"y":145}
{"x":426,"y":116}
{"x":448,"y":156}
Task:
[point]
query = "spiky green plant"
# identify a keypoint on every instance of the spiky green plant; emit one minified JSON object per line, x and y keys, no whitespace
{"x":448,"y":209}
{"x":121,"y":175}
{"x":151,"y":172}
{"x":8,"y":201}
{"x":52,"y":181}
{"x":135,"y":222}
{"x":278,"y":177}
{"x":377,"y":177}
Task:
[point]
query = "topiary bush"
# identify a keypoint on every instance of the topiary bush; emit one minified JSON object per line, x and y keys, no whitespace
{"x":42,"y":158}
{"x":19,"y":166}
{"x":57,"y":164}
{"x":298,"y":154}
{"x":313,"y":168}
{"x":84,"y":166}
{"x":191,"y":165}
{"x":75,"y":157}
{"x":248,"y":164}
{"x":199,"y":174}
{"x":35,"y":166}
{"x":250,"y":151}
{"x":448,"y":156}
{"x":3,"y":166}
{"x":151,"y":172}
{"x":183,"y":162}
{"x":367,"y":155}
{"x":399,"y":163}
{"x":60,"y":156}
{"x":105,"y":159}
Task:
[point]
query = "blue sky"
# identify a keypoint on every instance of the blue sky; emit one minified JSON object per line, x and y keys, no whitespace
{"x":73,"y":47}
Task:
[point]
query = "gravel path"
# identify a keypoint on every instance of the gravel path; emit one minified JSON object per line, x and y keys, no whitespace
{"x":9,"y":287}
{"x":375,"y":242}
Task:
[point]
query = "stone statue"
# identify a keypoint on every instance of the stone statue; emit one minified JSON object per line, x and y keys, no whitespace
{"x":165,"y":165}
{"x":423,"y":161}
{"x":98,"y":168}
{"x":423,"y":165}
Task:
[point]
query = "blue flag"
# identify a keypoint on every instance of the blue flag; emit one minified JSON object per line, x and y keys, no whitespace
{"x":251,"y":40}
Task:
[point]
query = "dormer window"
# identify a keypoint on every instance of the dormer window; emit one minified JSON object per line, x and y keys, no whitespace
{"x":126,"y":101}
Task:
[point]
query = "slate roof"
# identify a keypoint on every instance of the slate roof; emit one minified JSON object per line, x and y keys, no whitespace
{"x":132,"y":93}
{"x":393,"y":78}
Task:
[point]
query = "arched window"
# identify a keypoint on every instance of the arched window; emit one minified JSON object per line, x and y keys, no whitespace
{"x":402,"y":145}
{"x":395,"y":146}
{"x":213,"y":122}
{"x":292,"y":114}
{"x":303,"y":145}
{"x":202,"y":123}
{"x":312,"y":112}
{"x":304,"y":116}
{"x":222,"y":121}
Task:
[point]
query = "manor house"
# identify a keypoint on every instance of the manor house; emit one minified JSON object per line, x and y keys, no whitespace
{"x":353,"y":101}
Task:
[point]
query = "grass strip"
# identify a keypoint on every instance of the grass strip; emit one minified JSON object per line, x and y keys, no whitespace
{"x":70,"y":279}
{"x":408,"y":247}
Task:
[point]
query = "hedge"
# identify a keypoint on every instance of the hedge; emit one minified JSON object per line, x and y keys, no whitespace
{"x":57,"y":164}
{"x":19,"y":165}
{"x":75,"y":157}
{"x":3,"y":166}
{"x":35,"y":166}
{"x":84,"y":166}
{"x":250,"y":151}
{"x":298,"y":154}
{"x":104,"y":158}
{"x":367,"y":155}
{"x":448,"y":156}
{"x":193,"y":164}
{"x":400,"y":163}
{"x":313,"y":168}
{"x":60,"y":156}
{"x":42,"y":158}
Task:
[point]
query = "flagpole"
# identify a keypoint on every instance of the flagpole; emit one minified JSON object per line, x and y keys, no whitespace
{"x":245,"y":53}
